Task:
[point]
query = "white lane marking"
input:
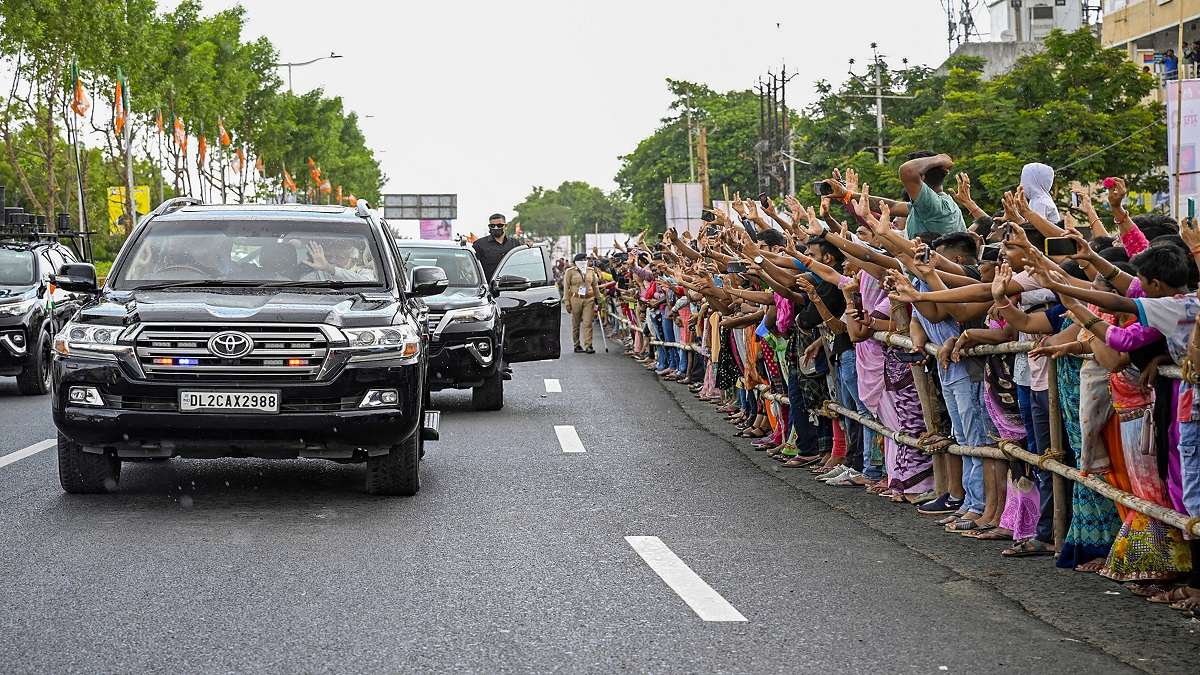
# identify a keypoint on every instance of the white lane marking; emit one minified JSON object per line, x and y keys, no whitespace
{"x":25,"y":452}
{"x":568,"y":438}
{"x":704,"y":601}
{"x":553,"y":387}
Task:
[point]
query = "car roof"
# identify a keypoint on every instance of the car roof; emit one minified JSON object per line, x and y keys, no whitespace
{"x":261,"y":212}
{"x":431,"y":243}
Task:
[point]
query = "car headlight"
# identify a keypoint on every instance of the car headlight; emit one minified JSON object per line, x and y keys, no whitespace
{"x":18,"y":308}
{"x":391,"y":342}
{"x":87,"y":337}
{"x":471,"y":314}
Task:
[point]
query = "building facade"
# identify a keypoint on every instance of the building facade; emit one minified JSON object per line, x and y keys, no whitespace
{"x":1032,"y":20}
{"x":1147,"y":29}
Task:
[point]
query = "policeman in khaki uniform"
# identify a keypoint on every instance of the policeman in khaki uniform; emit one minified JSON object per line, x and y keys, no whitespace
{"x":580,"y":285}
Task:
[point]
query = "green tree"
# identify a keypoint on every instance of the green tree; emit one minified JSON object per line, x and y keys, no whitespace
{"x":731,"y":122}
{"x":574,"y":208}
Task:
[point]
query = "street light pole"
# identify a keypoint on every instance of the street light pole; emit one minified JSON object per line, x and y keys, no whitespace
{"x":297,"y":64}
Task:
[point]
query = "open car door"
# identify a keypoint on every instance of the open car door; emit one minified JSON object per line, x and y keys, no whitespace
{"x":531,"y":304}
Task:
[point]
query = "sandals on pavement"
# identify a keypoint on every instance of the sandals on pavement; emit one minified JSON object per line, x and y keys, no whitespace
{"x":1028,"y":548}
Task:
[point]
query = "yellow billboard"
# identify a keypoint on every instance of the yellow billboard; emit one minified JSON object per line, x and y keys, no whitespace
{"x":116,"y":206}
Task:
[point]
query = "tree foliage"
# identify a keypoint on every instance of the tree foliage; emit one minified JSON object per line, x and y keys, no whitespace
{"x":174,"y":63}
{"x":573,"y":209}
{"x":1064,"y":106}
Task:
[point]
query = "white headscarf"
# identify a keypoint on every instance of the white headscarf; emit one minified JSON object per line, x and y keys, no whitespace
{"x":1038,"y":180}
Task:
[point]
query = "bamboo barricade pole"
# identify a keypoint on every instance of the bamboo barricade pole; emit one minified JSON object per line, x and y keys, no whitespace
{"x":1061,"y":496}
{"x":1008,"y":451}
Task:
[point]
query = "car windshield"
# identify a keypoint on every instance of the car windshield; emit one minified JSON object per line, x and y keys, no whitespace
{"x":457,"y":263}
{"x":236,"y":252}
{"x":16,"y":267}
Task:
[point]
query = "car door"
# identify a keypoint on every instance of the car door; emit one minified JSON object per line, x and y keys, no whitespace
{"x":531,"y":316}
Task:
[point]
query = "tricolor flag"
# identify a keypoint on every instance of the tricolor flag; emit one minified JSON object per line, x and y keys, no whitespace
{"x":353,"y":200}
{"x":339,"y":194}
{"x":239,"y":160}
{"x":80,"y":102}
{"x":288,"y":183}
{"x":325,"y":187}
{"x":260,"y":165}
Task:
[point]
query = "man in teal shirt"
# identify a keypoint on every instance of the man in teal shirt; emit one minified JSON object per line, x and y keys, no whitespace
{"x":930,"y":208}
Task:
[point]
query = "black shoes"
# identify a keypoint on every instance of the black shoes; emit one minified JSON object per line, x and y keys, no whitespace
{"x":578,"y":349}
{"x":589,"y":350}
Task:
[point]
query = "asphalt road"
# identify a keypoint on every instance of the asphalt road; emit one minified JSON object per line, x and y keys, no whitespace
{"x":514,"y":558}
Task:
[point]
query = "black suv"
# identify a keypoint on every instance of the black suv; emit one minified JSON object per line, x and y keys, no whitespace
{"x":476,"y":328}
{"x":31,"y":309}
{"x":235,"y":331}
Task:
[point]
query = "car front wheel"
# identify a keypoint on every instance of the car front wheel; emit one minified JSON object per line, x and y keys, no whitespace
{"x":82,"y":472}
{"x":398,"y":472}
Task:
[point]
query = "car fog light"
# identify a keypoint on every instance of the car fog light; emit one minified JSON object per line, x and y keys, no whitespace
{"x":377,"y":398}
{"x":484,"y":347}
{"x":18,"y":339}
{"x":89,"y":396}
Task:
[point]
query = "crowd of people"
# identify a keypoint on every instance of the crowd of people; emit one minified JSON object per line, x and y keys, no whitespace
{"x":772,"y":312}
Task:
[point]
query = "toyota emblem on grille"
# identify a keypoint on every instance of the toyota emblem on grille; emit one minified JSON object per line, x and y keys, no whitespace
{"x":230,"y":344}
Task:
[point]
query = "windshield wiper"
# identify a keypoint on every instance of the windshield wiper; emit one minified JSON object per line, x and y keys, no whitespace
{"x":192,"y":284}
{"x":317,"y":283}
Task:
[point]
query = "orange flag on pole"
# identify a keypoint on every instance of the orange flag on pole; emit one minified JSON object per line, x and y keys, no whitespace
{"x":288,"y":182}
{"x":325,"y":187}
{"x":180,"y":134}
{"x":202,"y":148}
{"x":240,"y":160}
{"x":260,"y":165}
{"x":222,"y":135}
{"x":353,"y":200}
{"x":158,"y":121}
{"x":119,"y":107}
{"x":339,"y":194}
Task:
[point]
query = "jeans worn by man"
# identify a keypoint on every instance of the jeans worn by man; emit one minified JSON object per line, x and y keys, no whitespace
{"x":968,"y":428}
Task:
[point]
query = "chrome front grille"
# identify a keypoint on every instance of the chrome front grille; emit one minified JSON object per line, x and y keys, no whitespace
{"x":292,"y":353}
{"x":433,"y":319}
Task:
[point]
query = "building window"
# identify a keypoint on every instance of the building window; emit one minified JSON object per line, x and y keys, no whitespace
{"x":1042,"y":13}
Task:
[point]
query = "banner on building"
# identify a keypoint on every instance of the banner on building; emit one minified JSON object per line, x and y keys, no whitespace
{"x":684,"y":203}
{"x":437,"y":229}
{"x":602,"y":241}
{"x":1188,"y":140}
{"x":116,"y":206}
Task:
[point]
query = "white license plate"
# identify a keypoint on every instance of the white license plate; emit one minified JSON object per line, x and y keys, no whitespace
{"x":229,"y":401}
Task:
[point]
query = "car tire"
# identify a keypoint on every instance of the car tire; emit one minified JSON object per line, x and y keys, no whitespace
{"x":398,"y":473}
{"x":34,"y":379}
{"x":85,"y":473}
{"x":490,"y":394}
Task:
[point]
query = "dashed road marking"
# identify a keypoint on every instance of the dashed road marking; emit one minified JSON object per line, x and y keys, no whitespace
{"x":553,"y":387}
{"x":568,"y":438}
{"x":704,"y":601}
{"x":34,"y":449}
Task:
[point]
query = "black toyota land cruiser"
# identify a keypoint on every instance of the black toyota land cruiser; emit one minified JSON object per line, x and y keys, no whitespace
{"x":476,"y":328}
{"x":238,"y":331}
{"x":31,"y":308}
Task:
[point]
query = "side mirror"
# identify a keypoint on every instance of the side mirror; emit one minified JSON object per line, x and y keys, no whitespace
{"x":427,"y":281}
{"x":77,"y":278}
{"x":510,"y":282}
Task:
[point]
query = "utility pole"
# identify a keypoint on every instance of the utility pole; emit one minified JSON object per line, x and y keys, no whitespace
{"x":702,"y":152}
{"x":691,"y":153}
{"x":878,"y":104}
